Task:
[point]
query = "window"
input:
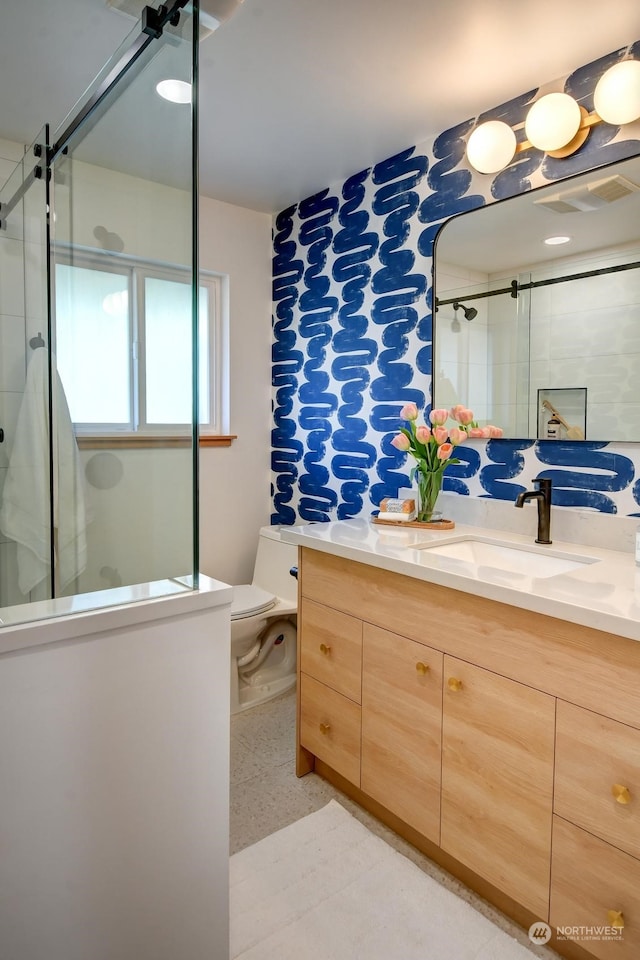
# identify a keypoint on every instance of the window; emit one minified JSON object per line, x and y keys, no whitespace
{"x":123,"y":345}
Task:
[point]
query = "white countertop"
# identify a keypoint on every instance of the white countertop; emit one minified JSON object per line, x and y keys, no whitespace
{"x":604,"y":595}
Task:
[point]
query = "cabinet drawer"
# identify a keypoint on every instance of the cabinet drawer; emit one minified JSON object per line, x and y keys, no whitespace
{"x":589,"y":878}
{"x":331,"y":648}
{"x":330,"y":727}
{"x":402,"y":727}
{"x":597,"y":784}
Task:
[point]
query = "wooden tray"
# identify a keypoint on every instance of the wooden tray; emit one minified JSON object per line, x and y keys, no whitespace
{"x":431,"y":525}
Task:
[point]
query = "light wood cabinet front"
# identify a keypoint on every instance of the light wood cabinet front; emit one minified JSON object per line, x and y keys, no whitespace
{"x":330,"y":727}
{"x":331,"y":648}
{"x":402,"y":727}
{"x":595,"y":885}
{"x":497,"y":780}
{"x":598,"y":776}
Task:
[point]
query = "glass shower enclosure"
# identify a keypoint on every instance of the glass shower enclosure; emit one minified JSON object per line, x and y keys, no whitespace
{"x":100,"y":326}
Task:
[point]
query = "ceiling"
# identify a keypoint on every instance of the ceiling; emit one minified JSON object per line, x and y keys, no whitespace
{"x":298,"y":94}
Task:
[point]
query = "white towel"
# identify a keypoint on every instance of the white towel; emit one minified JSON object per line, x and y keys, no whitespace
{"x":25,"y":511}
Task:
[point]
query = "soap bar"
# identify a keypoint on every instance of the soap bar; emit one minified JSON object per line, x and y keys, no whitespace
{"x":397,"y":505}
{"x":397,"y":517}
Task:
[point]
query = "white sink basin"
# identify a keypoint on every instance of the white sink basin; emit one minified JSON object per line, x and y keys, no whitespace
{"x":511,"y":558}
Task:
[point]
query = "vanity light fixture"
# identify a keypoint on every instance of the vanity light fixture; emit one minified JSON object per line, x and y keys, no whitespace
{"x":556,"y":123}
{"x":555,"y":241}
{"x":175,"y":91}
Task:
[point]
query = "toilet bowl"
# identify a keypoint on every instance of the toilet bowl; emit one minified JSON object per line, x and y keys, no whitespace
{"x":263,"y":625}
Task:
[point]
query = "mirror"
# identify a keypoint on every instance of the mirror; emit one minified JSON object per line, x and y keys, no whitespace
{"x":543,"y":339}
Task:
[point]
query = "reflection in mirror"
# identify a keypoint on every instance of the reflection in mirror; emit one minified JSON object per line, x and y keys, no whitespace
{"x":553,"y":349}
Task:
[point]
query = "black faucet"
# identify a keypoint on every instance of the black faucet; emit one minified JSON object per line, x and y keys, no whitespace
{"x":543,"y":496}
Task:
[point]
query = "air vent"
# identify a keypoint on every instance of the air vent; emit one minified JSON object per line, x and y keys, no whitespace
{"x":614,"y":188}
{"x":590,"y":196}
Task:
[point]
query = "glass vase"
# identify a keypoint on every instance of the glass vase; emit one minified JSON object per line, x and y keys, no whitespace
{"x":429,"y":485}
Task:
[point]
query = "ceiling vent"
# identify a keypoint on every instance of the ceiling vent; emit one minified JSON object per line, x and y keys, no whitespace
{"x":590,"y":196}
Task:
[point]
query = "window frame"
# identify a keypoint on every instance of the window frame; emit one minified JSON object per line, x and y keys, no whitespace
{"x":135,"y":270}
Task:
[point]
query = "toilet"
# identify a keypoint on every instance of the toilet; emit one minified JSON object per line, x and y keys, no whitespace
{"x":263,"y":625}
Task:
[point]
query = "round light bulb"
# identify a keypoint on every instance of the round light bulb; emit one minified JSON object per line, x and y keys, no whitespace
{"x":554,"y":241}
{"x":491,"y":146}
{"x":553,"y":121}
{"x":176,"y":91}
{"x":617,"y":94}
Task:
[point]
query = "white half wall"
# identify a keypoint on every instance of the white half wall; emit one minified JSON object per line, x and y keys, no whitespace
{"x":114,"y":760}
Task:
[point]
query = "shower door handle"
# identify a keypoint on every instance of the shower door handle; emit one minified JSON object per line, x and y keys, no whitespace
{"x":1,"y":435}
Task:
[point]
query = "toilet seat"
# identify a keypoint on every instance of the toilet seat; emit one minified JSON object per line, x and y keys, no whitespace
{"x":249,"y":600}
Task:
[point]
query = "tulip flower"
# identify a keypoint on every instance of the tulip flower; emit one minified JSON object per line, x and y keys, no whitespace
{"x":401,"y":442}
{"x":439,"y":417}
{"x":423,"y":434}
{"x":440,"y":434}
{"x":458,"y":436}
{"x":409,"y":412}
{"x":444,"y":451}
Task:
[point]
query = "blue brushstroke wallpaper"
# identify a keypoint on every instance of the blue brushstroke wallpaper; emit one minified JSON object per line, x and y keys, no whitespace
{"x":352,"y":329}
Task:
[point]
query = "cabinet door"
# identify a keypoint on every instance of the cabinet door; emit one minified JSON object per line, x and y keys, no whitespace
{"x":497,"y":780}
{"x":402,"y":727}
{"x":596,"y":887}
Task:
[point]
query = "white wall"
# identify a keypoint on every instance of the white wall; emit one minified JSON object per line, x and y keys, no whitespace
{"x":114,"y":806}
{"x":234,"y":481}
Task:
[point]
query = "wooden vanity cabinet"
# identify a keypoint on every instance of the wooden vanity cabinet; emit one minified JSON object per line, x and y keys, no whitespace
{"x":504,"y":743}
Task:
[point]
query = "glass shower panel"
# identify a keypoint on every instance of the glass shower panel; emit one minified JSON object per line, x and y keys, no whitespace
{"x":25,"y":464}
{"x":122,"y":194}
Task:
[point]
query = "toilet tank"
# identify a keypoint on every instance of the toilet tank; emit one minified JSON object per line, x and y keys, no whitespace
{"x":274,"y":559}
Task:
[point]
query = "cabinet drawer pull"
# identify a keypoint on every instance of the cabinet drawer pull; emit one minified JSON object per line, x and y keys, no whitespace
{"x":621,"y":793}
{"x":615,"y":918}
{"x":324,"y":648}
{"x":325,"y":728}
{"x":422,"y":668}
{"x":454,"y":684}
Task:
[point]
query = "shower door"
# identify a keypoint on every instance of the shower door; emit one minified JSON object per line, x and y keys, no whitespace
{"x":118,"y":320}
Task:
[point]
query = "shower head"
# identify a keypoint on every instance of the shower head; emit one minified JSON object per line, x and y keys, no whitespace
{"x":469,"y":313}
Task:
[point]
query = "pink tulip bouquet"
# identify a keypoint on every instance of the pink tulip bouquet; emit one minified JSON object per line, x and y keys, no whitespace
{"x":434,"y":448}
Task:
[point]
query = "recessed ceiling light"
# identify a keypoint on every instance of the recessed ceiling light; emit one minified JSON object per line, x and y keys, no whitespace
{"x":177,"y":91}
{"x":553,"y":241}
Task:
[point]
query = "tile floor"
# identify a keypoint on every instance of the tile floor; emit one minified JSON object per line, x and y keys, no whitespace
{"x":266,"y":795}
